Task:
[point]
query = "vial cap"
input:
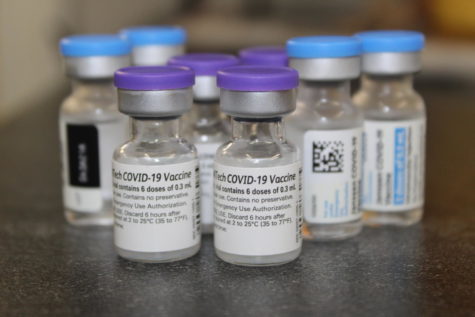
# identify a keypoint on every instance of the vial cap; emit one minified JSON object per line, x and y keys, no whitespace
{"x":264,"y":55}
{"x":89,"y":45}
{"x":154,"y":78}
{"x":324,"y":46}
{"x":257,"y":78}
{"x":204,"y":64}
{"x":391,"y":41}
{"x":154,"y":35}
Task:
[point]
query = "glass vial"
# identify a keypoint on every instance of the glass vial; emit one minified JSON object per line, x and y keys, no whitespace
{"x":155,"y":45}
{"x":327,"y":127}
{"x":90,"y":126}
{"x":257,"y":172}
{"x":264,"y":56}
{"x":155,"y":174}
{"x":395,"y":120}
{"x":203,"y":125}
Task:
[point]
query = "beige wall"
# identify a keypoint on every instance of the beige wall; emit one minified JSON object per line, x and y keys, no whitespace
{"x":28,"y":59}
{"x":30,"y":66}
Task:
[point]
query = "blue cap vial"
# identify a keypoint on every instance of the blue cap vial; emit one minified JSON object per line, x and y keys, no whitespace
{"x":154,"y":35}
{"x":325,"y":46}
{"x":327,"y":57}
{"x":391,"y":52}
{"x":89,"y":45}
{"x":391,"y":41}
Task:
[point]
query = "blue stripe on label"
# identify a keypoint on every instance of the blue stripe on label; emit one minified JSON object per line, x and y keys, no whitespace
{"x":399,"y":191}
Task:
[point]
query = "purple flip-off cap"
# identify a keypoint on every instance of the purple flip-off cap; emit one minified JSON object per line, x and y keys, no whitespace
{"x":154,"y":77}
{"x":264,"y":55}
{"x":204,"y":64}
{"x":257,"y":78}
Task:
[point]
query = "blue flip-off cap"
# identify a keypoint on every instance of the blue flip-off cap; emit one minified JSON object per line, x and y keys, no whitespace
{"x":325,"y":46}
{"x":391,"y":41}
{"x":154,"y":35}
{"x":93,"y":45}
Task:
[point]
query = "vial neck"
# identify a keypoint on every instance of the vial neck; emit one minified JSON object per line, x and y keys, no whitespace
{"x":93,"y":88}
{"x":205,"y":114}
{"x":387,"y":85}
{"x":263,"y":130}
{"x":155,"y":130}
{"x":325,"y":91}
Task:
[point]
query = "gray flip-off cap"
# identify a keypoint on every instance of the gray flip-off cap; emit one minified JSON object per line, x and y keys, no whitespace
{"x":327,"y":68}
{"x":159,"y":91}
{"x":155,"y":103}
{"x":95,"y":67}
{"x":388,"y":63}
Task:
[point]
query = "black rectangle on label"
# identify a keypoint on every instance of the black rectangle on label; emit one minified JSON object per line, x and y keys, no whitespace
{"x":83,"y":155}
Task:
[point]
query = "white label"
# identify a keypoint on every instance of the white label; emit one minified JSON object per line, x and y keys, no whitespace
{"x":156,"y":206}
{"x":393,"y":165}
{"x":257,"y":210}
{"x":89,"y":197}
{"x":206,"y":153}
{"x":331,"y":167}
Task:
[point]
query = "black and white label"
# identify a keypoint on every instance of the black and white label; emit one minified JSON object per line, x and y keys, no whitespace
{"x":257,"y":210}
{"x":156,"y":207}
{"x":86,"y":155}
{"x":206,"y":153}
{"x":393,"y":165}
{"x":331,"y":168}
{"x":83,"y":153}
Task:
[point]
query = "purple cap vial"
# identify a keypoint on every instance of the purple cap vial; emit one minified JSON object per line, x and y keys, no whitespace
{"x":205,"y":66}
{"x":154,"y":91}
{"x":264,"y":56}
{"x":257,"y":91}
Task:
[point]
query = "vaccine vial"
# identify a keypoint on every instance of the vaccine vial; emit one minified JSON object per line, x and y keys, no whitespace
{"x":264,"y":56}
{"x":90,"y":126}
{"x":394,"y":128}
{"x":155,"y":45}
{"x":257,"y":172}
{"x":204,"y":126}
{"x":327,"y":128}
{"x":155,"y":174}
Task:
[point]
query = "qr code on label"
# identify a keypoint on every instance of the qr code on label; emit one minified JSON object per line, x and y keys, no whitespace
{"x":328,"y":157}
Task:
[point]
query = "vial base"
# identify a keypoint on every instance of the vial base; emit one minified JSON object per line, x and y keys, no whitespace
{"x":332,"y":231}
{"x":267,"y":260}
{"x":207,"y":228}
{"x":104,"y":217}
{"x":398,"y":218}
{"x":158,"y":257}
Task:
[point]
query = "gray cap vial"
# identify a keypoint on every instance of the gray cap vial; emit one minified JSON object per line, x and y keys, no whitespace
{"x":257,"y":91}
{"x":94,"y":56}
{"x":325,"y":58}
{"x":154,"y":91}
{"x":391,"y":52}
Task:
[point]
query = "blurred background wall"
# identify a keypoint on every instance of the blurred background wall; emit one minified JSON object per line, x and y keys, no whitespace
{"x":30,"y":65}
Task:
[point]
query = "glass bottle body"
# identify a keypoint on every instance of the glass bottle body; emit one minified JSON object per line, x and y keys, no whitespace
{"x":258,"y":144}
{"x":205,"y":129}
{"x":325,"y":112}
{"x":390,"y":104}
{"x":90,"y":129}
{"x":156,"y":142}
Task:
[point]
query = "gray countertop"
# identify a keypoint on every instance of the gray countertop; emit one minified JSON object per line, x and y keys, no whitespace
{"x":48,"y":268}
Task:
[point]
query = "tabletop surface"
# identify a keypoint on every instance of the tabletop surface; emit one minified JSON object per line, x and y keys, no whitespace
{"x":48,"y":268}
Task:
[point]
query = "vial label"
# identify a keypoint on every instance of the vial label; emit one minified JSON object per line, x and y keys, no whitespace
{"x":331,"y":166}
{"x":393,"y":165}
{"x":257,"y":210}
{"x":206,"y":153}
{"x":156,"y":207}
{"x":87,"y":153}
